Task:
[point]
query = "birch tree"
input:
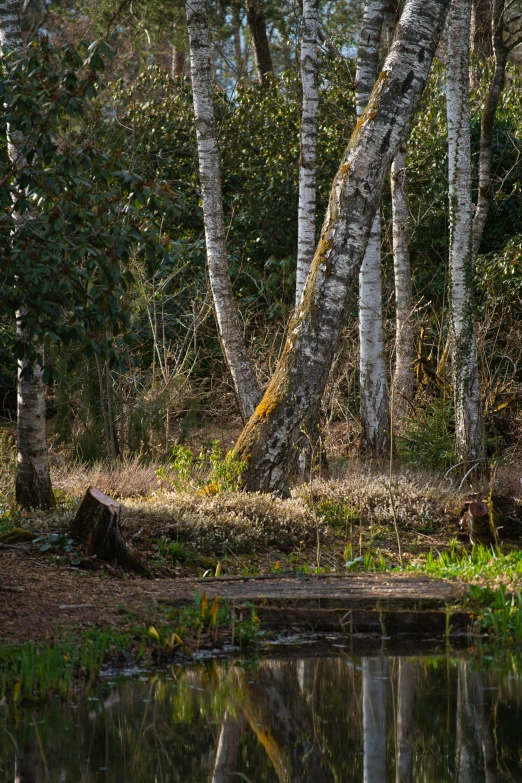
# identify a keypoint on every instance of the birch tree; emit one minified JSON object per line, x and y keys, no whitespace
{"x":257,"y":27}
{"x":469,"y":427}
{"x":308,"y":146}
{"x":33,"y":479}
{"x":373,"y":380}
{"x":227,"y":317}
{"x":403,"y":376}
{"x":270,"y":442}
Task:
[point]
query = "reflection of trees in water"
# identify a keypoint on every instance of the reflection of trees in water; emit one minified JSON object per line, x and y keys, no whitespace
{"x":316,"y":720}
{"x":282,"y":718}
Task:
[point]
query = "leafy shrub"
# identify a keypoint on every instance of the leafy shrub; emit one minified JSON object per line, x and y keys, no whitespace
{"x":427,"y":441}
{"x":209,"y":471}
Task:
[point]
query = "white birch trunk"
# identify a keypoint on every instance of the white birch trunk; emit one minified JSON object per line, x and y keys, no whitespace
{"x":33,"y":479}
{"x":373,"y":380}
{"x":308,"y":156}
{"x":403,"y":377}
{"x":227,"y":317}
{"x":269,"y":444}
{"x":469,"y":427}
{"x":375,"y":692}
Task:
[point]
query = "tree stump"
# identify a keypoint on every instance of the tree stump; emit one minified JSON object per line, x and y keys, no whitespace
{"x":97,"y":526}
{"x":480,"y":525}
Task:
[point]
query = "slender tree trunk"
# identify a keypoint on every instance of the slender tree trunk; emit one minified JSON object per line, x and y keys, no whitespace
{"x":229,"y":325}
{"x":257,"y":26}
{"x":178,"y":62}
{"x":33,"y":478}
{"x":179,"y":44}
{"x":469,"y":427}
{"x":373,"y":381}
{"x":238,"y":49}
{"x":487,"y":122}
{"x":375,"y":691}
{"x":308,"y":156}
{"x":404,"y":376}
{"x":481,"y":28}
{"x":269,"y":443}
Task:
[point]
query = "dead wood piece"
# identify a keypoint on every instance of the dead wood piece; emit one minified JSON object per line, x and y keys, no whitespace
{"x":97,"y":526}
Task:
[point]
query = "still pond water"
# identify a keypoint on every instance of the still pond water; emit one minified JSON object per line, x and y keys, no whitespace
{"x":314,"y":719}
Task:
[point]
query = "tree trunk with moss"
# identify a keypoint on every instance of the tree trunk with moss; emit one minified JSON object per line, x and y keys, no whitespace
{"x":373,"y":380}
{"x":33,"y":478}
{"x":403,"y":376}
{"x":271,"y":441}
{"x":257,"y":26}
{"x":308,"y":145}
{"x":229,"y":325}
{"x":469,"y":427}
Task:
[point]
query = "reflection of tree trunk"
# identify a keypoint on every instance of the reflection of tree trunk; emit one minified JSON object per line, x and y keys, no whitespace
{"x":283,"y":722}
{"x":228,"y":746}
{"x":407,"y":672}
{"x":375,"y":687}
{"x":468,"y":742}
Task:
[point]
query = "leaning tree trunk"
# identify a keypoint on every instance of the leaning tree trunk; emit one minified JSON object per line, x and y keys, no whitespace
{"x":268,"y":442}
{"x":373,"y":381}
{"x":33,"y":478}
{"x":229,"y":325}
{"x":469,"y":427}
{"x":403,"y":377}
{"x":257,"y":26}
{"x":308,"y":156}
{"x":487,"y":122}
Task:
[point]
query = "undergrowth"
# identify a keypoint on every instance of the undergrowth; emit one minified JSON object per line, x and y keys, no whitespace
{"x":36,"y":672}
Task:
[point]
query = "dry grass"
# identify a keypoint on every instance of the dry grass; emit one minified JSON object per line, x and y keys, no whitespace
{"x":128,"y":479}
{"x":238,"y":522}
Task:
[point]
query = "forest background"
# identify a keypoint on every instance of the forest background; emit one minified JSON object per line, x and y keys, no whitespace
{"x":133,"y":374}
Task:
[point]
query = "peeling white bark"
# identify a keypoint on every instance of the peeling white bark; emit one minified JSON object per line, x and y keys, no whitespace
{"x":33,"y":478}
{"x":269,"y":443}
{"x":373,"y":377}
{"x":308,"y":157}
{"x":403,"y":377}
{"x":229,"y":325}
{"x":469,"y":427}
